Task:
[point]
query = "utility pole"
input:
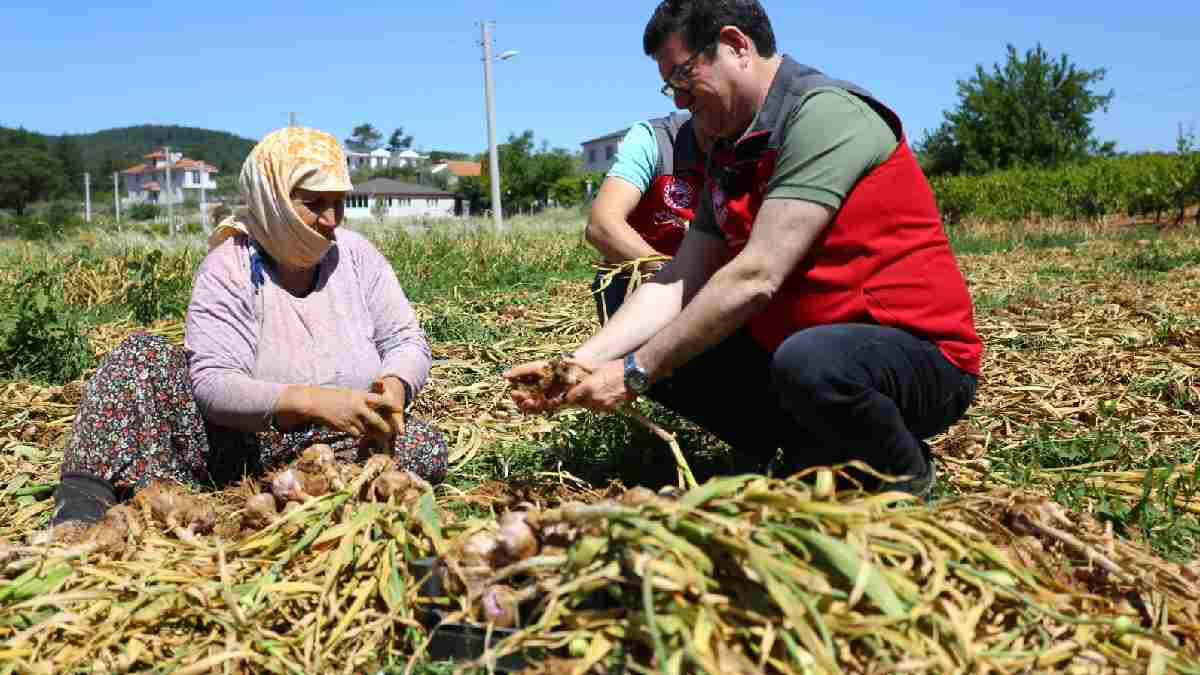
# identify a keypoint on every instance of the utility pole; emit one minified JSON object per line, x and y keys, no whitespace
{"x":117,"y":198}
{"x":493,"y":160}
{"x":170,"y":188}
{"x":202,"y":172}
{"x":87,"y":197}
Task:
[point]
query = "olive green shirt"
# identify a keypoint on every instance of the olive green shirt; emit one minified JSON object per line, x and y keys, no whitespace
{"x":832,"y":139}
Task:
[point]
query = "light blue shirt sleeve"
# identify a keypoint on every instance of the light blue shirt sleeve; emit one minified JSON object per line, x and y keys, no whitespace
{"x":637,"y":157}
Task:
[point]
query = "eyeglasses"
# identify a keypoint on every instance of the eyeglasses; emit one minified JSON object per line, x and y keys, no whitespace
{"x":680,"y":77}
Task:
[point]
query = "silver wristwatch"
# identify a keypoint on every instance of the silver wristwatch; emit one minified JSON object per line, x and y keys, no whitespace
{"x":636,"y":379}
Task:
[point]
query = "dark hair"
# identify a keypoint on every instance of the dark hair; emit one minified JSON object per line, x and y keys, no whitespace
{"x":697,"y":23}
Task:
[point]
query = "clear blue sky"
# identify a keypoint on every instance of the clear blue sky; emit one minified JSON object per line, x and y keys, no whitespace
{"x":241,"y":67}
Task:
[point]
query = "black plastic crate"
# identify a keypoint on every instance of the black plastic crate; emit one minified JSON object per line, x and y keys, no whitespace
{"x":458,"y":640}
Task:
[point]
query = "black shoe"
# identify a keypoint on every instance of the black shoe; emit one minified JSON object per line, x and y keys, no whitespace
{"x":82,"y":497}
{"x":920,"y":486}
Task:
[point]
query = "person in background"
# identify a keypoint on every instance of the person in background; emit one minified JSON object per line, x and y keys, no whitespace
{"x":297,"y":333}
{"x":646,"y":202}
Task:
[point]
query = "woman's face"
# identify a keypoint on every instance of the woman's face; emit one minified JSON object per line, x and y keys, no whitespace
{"x":322,"y":211}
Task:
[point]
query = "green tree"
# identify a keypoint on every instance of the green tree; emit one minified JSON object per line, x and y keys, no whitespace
{"x":472,"y":191}
{"x":1032,"y":111}
{"x":227,"y":186}
{"x":108,"y":163}
{"x":573,"y":190}
{"x":526,"y":174}
{"x":439,"y":156}
{"x":567,"y":191}
{"x":398,"y":141}
{"x":364,"y":138}
{"x":20,"y":138}
{"x":128,"y":145}
{"x":27,"y":175}
{"x":66,"y":150}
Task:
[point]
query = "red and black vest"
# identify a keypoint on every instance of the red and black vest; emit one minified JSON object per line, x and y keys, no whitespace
{"x":883,"y":259}
{"x":666,"y":209}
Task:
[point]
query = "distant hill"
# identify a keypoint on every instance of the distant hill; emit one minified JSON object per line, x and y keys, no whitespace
{"x":104,"y":152}
{"x":125,"y":147}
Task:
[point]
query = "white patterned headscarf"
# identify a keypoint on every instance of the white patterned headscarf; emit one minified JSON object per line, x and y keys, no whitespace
{"x":286,"y":159}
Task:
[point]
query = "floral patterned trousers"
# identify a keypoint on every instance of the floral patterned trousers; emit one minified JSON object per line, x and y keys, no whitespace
{"x":138,"y":422}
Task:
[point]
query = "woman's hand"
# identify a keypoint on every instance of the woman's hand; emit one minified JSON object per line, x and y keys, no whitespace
{"x":392,"y":390}
{"x":358,"y":413}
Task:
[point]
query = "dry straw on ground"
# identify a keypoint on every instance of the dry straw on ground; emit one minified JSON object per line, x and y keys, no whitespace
{"x":738,"y":575}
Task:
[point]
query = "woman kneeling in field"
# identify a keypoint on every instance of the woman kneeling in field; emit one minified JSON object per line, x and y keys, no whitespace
{"x":292,"y":327}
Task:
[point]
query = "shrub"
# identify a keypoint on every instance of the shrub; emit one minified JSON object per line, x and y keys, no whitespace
{"x":41,"y":333}
{"x":64,"y":214}
{"x":1141,"y":185}
{"x":159,"y":286}
{"x":144,"y":211}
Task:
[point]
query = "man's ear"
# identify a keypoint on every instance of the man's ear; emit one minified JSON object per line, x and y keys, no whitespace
{"x":742,"y":45}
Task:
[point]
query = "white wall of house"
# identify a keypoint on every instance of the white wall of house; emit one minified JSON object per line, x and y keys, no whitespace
{"x":185,"y":184}
{"x":408,"y":158}
{"x":359,"y":206}
{"x":376,"y":159}
{"x":599,"y":155}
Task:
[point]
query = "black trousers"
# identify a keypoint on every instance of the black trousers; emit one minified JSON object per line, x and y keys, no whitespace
{"x":828,"y":395}
{"x":611,"y":297}
{"x":694,"y":390}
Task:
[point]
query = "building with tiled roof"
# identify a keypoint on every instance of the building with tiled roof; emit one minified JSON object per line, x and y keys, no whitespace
{"x":188,"y":179}
{"x":457,"y":169}
{"x":399,"y":199}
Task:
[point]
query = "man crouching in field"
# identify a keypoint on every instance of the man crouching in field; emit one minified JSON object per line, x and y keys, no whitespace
{"x":820,"y":234}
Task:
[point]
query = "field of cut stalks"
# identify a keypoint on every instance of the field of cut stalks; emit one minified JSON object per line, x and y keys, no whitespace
{"x":1063,"y":537}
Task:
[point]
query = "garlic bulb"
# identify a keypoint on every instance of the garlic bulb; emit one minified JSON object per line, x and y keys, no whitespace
{"x":481,"y":549}
{"x":377,"y":464}
{"x":636,"y":496}
{"x":390,"y":484}
{"x":260,"y":511}
{"x":499,"y":605}
{"x":197,"y":516}
{"x":161,"y":499}
{"x":314,"y":484}
{"x":517,"y":538}
{"x":111,"y":534}
{"x":286,"y":487}
{"x":315,"y":458}
{"x":418,"y":483}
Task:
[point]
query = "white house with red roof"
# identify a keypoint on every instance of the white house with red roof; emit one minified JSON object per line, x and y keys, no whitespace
{"x":148,"y":182}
